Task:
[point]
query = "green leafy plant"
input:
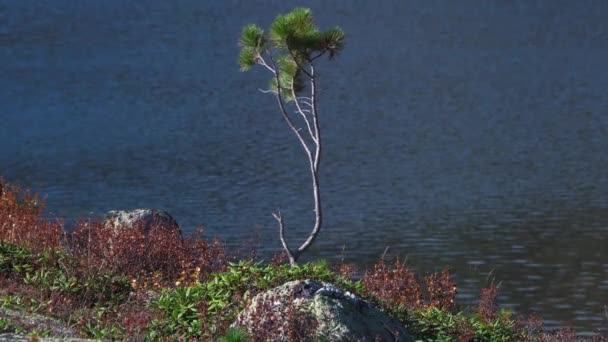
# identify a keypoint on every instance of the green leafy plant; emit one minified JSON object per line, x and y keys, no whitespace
{"x":94,"y":330}
{"x":234,"y":335}
{"x":503,"y":328}
{"x":40,"y":333}
{"x":290,"y":51}
{"x":211,"y":306}
{"x":12,"y":302}
{"x":4,"y":325}
{"x":20,"y":330}
{"x":434,"y":324}
{"x":14,"y":259}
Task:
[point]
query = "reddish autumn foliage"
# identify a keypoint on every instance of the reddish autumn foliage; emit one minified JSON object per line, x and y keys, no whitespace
{"x":441,"y":290}
{"x":159,"y":255}
{"x":487,"y":308}
{"x":160,"y":252}
{"x":394,"y":285}
{"x":345,"y":270}
{"x":129,"y":251}
{"x":397,"y":286}
{"x":22,"y":223}
{"x":279,"y":259}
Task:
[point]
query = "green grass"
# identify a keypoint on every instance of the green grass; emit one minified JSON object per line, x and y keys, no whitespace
{"x":202,"y":309}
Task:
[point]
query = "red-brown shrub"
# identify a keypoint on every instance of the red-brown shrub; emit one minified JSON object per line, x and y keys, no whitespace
{"x":396,"y":285}
{"x":134,"y":317}
{"x":487,"y":308}
{"x":441,"y":290}
{"x":345,"y":270}
{"x":21,"y":221}
{"x":130,"y":251}
{"x":279,"y":259}
{"x":204,"y":256}
{"x":532,"y":324}
{"x":158,"y":257}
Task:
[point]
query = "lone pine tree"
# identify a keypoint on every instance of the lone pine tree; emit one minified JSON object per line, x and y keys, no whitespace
{"x":289,"y":52}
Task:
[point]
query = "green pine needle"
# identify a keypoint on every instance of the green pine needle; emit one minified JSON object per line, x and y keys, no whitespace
{"x":301,"y":20}
{"x":295,"y":30}
{"x":287,"y":66}
{"x":280,"y":31}
{"x":332,"y":40}
{"x":247,"y":58}
{"x":252,"y":37}
{"x":297,"y":38}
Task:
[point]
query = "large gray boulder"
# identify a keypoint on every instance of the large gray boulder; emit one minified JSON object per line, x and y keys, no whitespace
{"x":325,"y":312}
{"x":148,"y":218}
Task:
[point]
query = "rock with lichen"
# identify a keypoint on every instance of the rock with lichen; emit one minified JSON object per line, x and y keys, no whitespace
{"x":146,"y":218}
{"x":53,"y":329}
{"x":310,"y":309}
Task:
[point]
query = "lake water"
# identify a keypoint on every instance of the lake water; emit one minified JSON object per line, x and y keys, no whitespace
{"x":471,"y":134}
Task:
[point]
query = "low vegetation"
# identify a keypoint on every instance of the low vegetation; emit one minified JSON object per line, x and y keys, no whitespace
{"x":132,"y":285}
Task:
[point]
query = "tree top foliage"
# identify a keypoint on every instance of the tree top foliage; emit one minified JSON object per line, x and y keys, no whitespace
{"x":291,"y":45}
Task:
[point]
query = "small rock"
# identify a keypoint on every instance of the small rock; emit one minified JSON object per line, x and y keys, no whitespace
{"x":123,"y":219}
{"x":30,"y":322}
{"x":13,"y":337}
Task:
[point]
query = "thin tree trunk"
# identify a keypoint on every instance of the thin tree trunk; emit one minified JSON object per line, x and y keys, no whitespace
{"x":314,"y":159}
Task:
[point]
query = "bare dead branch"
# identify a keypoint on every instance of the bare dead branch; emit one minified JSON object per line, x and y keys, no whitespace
{"x":317,"y":56}
{"x":260,"y":60}
{"x":303,"y":114}
{"x":279,"y":98}
{"x":306,"y":103}
{"x":384,"y":253}
{"x":279,"y":218}
{"x":315,"y":117}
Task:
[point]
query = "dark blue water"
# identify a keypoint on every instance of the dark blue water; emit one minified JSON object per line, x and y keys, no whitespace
{"x":470,"y":134}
